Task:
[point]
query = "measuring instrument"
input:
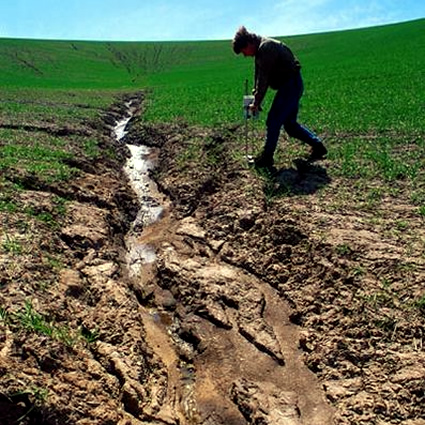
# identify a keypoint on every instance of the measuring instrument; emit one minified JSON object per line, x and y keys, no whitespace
{"x":248,"y":113}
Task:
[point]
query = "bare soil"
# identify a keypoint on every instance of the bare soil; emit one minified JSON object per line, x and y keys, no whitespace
{"x":284,"y":310}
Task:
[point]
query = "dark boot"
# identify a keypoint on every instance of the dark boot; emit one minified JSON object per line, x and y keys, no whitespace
{"x":318,"y":152}
{"x":264,"y":161}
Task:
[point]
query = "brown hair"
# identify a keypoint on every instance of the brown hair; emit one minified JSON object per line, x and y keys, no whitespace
{"x":242,"y":38}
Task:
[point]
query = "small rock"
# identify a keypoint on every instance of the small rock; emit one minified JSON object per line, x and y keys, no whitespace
{"x":166,"y":299}
{"x":189,"y":227}
{"x":409,"y":374}
{"x":71,"y":282}
{"x":216,"y":245}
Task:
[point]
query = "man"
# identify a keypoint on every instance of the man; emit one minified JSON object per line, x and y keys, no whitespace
{"x":278,"y":68}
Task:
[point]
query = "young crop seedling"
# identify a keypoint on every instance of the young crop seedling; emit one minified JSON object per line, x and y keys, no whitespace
{"x":343,"y":249}
{"x":12,"y":245}
{"x":32,"y":321}
{"x":90,"y":336}
{"x":4,"y":315}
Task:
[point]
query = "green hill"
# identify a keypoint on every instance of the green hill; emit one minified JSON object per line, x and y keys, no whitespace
{"x":357,"y":80}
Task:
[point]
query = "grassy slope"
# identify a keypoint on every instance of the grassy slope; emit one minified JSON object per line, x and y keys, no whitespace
{"x":367,"y":79}
{"x":361,"y":80}
{"x":355,"y":80}
{"x":364,"y":92}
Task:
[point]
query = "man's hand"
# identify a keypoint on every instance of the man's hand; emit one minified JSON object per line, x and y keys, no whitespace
{"x":254,"y":109}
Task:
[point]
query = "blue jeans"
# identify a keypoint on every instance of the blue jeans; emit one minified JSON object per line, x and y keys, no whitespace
{"x":283,"y":112}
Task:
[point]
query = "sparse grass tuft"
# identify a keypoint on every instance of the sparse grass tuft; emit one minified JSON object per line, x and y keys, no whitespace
{"x":12,"y":245}
{"x":420,"y":304}
{"x":4,"y":315}
{"x":37,"y":396}
{"x":190,"y":155}
{"x":90,"y":336}
{"x":343,"y":249}
{"x":8,"y":205}
{"x":32,"y":321}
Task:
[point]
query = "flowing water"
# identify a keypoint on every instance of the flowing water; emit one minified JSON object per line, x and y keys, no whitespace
{"x":137,"y":169}
{"x":179,"y":403}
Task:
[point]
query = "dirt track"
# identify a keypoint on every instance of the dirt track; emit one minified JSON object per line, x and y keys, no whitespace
{"x":252,"y":314}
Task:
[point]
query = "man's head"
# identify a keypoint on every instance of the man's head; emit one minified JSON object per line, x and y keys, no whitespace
{"x":245,"y":42}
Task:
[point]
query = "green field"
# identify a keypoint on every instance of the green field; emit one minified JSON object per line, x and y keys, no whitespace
{"x":360,"y":80}
{"x":364,"y":93}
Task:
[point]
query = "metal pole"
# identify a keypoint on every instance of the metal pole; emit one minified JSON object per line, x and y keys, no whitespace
{"x":246,"y":112}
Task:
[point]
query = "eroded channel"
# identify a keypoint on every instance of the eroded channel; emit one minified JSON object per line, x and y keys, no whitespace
{"x":176,"y":402}
{"x":150,"y":208}
{"x":229,"y":351}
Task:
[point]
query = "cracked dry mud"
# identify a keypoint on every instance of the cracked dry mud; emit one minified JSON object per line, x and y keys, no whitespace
{"x":249,"y":315}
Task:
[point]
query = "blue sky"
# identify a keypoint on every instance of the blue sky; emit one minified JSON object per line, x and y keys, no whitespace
{"x":142,"y":20}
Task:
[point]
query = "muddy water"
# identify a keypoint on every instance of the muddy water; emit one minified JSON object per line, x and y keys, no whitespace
{"x":178,"y":405}
{"x":150,"y":209}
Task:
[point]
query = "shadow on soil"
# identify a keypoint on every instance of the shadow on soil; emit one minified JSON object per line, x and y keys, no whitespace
{"x":302,"y":179}
{"x":18,"y":409}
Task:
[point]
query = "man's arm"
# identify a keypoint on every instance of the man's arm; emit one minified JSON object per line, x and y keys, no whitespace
{"x":264,"y":63}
